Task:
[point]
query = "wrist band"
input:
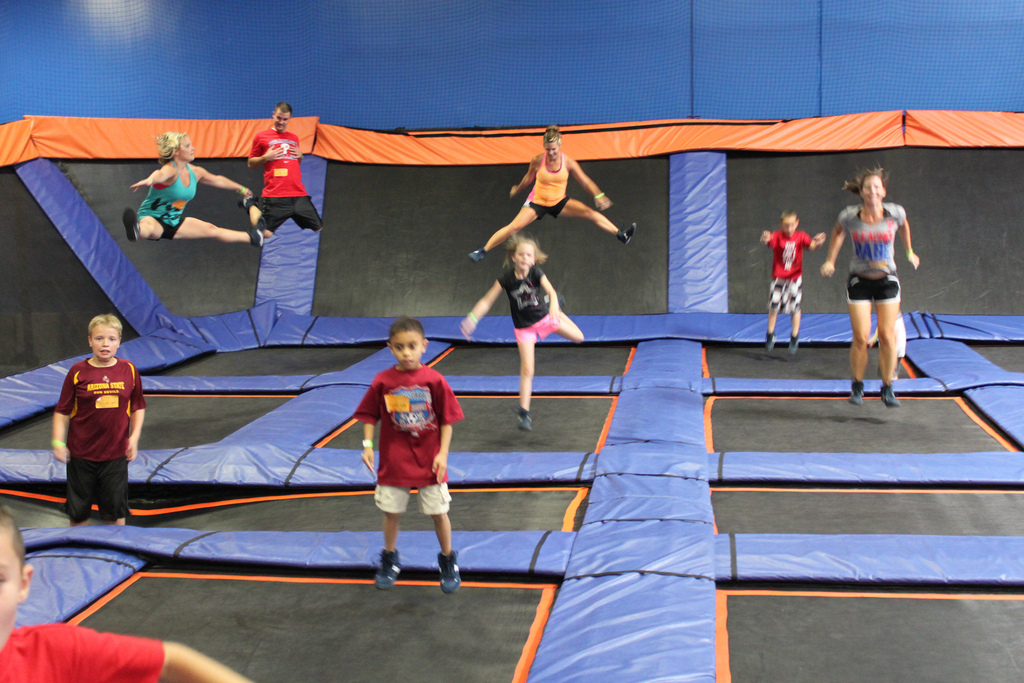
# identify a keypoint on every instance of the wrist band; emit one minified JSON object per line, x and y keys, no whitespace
{"x":473,"y":317}
{"x":367,"y":443}
{"x":598,"y":196}
{"x":910,"y":253}
{"x":56,"y":443}
{"x":243,"y":190}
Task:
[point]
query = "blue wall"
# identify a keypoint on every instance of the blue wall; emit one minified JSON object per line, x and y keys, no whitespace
{"x":460,"y":63}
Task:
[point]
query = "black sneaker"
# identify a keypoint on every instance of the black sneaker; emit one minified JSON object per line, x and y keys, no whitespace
{"x":626,"y":235}
{"x":856,"y":393}
{"x":769,"y":341}
{"x":889,"y":397}
{"x":478,"y":255}
{"x":388,"y":571}
{"x":450,"y":578}
{"x":248,"y":202}
{"x":794,"y":344}
{"x":131,"y":224}
{"x":256,"y":235}
{"x":525,"y":419}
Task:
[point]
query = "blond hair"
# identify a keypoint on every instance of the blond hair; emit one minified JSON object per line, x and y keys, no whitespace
{"x":7,"y":523}
{"x":857,"y":183}
{"x":168,"y":145}
{"x":552,"y":134}
{"x":106,"y":320}
{"x":788,"y":214}
{"x":512,"y":246}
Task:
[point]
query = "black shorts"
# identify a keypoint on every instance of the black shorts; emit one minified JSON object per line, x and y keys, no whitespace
{"x":276,"y":210}
{"x":169,"y":229}
{"x":103,"y":483}
{"x":552,"y":211}
{"x":882,"y":291}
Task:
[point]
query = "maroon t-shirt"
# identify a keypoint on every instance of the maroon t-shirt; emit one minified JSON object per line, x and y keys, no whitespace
{"x":282,"y":177}
{"x":411,"y":407}
{"x":100,"y":402}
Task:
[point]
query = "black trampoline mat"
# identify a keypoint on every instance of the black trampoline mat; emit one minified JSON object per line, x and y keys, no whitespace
{"x":891,"y":511}
{"x":832,"y":425}
{"x":509,"y":509}
{"x":308,"y":360}
{"x":820,"y":362}
{"x":570,"y":424}
{"x":333,"y":631}
{"x":857,"y":637}
{"x":549,"y":359}
{"x":171,"y":421}
{"x":1009,"y":357}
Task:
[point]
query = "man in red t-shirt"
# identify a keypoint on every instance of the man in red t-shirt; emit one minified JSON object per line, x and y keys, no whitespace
{"x":787,"y":245}
{"x":99,"y":415}
{"x":284,"y":195}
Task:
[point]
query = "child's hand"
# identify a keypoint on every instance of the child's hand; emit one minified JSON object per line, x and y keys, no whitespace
{"x":368,"y":459}
{"x":765,"y":237}
{"x":133,"y":450}
{"x":818,"y":240}
{"x":61,"y":453}
{"x":440,"y":466}
{"x":468,"y":325}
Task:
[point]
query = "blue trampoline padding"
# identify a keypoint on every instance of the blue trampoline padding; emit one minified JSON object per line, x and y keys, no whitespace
{"x":658,"y":414}
{"x":995,"y":467}
{"x":654,"y":457}
{"x":93,"y":245}
{"x":640,"y":497}
{"x":293,"y":329}
{"x":734,"y":386}
{"x":957,"y":365}
{"x":989,"y":560}
{"x":542,"y":384}
{"x":33,"y":392}
{"x":236,"y":331}
{"x":1002,"y":405}
{"x":520,"y":552}
{"x":671,"y":547}
{"x":288,"y":262}
{"x":66,"y":580}
{"x":265,"y":384}
{"x":633,"y":627}
{"x":999,"y":328}
{"x":698,"y":272}
{"x":665,"y":363}
{"x":304,"y":419}
{"x":162,"y":349}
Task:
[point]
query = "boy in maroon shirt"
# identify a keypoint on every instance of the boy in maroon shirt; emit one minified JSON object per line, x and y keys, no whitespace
{"x":787,"y":245}
{"x":416,"y":409}
{"x":97,"y":424}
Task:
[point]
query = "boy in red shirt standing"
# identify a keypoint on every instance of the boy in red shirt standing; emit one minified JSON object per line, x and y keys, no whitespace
{"x":416,"y":409}
{"x":787,"y":245}
{"x":97,"y":424}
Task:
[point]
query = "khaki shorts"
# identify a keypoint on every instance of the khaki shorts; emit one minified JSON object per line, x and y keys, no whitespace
{"x":433,"y":500}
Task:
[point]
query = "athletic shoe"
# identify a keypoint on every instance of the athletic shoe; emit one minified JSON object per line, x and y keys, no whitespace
{"x":889,"y":397}
{"x":856,"y":393}
{"x":769,"y":341}
{"x":525,"y":420}
{"x":478,"y":255}
{"x":388,"y":571}
{"x":450,"y":578}
{"x":256,"y":236}
{"x":131,"y":224}
{"x":794,"y":344}
{"x":626,"y":235}
{"x":248,"y":202}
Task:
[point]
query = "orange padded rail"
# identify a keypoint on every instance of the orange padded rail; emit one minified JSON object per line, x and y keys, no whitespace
{"x":965,"y":129}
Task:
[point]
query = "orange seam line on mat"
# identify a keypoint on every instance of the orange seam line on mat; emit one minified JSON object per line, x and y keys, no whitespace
{"x":512,"y":396}
{"x":607,"y":425}
{"x":709,"y":439}
{"x":886,"y":596}
{"x":438,"y":359}
{"x":339,"y":430}
{"x":149,"y":395}
{"x":705,"y":370}
{"x":909,"y":368}
{"x":309,"y":579}
{"x":36,"y":496}
{"x":533,"y":639}
{"x":110,"y":595}
{"x":981,"y":423}
{"x":753,"y":489}
{"x":722,"y":672}
{"x":836,"y":398}
{"x":629,"y":361}
{"x":569,"y":520}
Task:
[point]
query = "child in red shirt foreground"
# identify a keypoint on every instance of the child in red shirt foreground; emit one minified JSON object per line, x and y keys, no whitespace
{"x":787,"y":245}
{"x":416,"y":409}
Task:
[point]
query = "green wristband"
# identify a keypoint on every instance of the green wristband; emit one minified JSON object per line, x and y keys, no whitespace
{"x":56,"y":443}
{"x":473,"y":317}
{"x":910,"y":254}
{"x":598,"y":196}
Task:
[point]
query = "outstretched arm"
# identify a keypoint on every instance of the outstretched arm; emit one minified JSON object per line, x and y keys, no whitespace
{"x":182,"y":664}
{"x":214,"y":180}
{"x":531,"y":175}
{"x":601,"y":200}
{"x":469,"y":323}
{"x":905,"y":236}
{"x":163,"y":175}
{"x":838,"y":236}
{"x":817,"y":241}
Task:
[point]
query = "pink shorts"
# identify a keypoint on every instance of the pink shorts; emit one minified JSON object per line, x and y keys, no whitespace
{"x":539,"y":329}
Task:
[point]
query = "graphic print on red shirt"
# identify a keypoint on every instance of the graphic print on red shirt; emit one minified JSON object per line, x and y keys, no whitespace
{"x":788,"y":254}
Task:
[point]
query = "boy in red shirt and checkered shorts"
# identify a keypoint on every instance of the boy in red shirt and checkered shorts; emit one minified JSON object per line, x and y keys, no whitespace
{"x":787,"y":245}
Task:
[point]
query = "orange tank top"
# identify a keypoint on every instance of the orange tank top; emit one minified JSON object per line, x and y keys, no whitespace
{"x":550,"y":187}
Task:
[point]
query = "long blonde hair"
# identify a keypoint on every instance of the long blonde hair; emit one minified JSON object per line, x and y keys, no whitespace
{"x":168,"y":144}
{"x":512,"y":246}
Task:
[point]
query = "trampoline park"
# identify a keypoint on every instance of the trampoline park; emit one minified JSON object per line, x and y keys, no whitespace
{"x":688,"y":506}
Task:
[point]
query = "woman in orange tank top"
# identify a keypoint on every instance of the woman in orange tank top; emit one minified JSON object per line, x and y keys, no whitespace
{"x":550,"y":173}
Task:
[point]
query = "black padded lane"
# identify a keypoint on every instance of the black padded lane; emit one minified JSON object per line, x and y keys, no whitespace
{"x":564,"y":360}
{"x":810,"y":425}
{"x":797,"y":638}
{"x":472,"y":510}
{"x":968,"y":513}
{"x":820,"y":362}
{"x":396,"y":240}
{"x":274,"y":361}
{"x":287,"y":631}
{"x":1009,"y":358}
{"x":171,"y":421}
{"x":559,"y":425}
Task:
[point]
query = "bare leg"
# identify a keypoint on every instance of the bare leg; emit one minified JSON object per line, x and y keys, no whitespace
{"x":193,"y":229}
{"x":860,"y":320}
{"x":443,"y":529}
{"x":772,"y":317}
{"x":150,"y":228}
{"x":525,"y":216}
{"x":569,"y":330}
{"x":526,"y":365}
{"x":577,"y":209}
{"x":391,"y":520}
{"x":796,"y":324}
{"x":887,"y":314}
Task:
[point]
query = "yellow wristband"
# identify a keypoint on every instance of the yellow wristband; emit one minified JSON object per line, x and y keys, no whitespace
{"x":56,"y":443}
{"x":910,"y":253}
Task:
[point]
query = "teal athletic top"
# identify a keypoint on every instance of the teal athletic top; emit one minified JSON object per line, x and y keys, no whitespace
{"x":166,"y":204}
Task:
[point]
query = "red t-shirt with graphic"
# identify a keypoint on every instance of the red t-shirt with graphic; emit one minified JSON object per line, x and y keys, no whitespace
{"x":100,"y":402}
{"x":282,"y":177}
{"x":62,"y":653}
{"x":788,"y":254}
{"x":411,"y":406}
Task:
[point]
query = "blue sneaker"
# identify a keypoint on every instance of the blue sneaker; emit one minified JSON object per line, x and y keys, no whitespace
{"x":450,"y":578}
{"x":769,"y":341}
{"x":889,"y":397}
{"x":478,"y":255}
{"x":388,"y":571}
{"x":525,"y":419}
{"x":856,"y":393}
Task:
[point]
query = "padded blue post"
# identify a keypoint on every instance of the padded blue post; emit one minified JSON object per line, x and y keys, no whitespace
{"x":288,"y":264}
{"x":698,"y":277}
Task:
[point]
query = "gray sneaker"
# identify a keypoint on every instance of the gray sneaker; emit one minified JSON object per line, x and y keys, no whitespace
{"x":525,"y":419}
{"x":450,"y":578}
{"x":856,"y":393}
{"x":388,"y":571}
{"x":889,"y":397}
